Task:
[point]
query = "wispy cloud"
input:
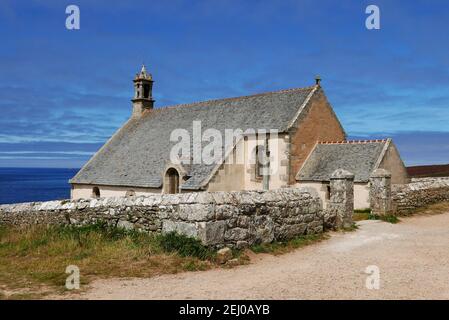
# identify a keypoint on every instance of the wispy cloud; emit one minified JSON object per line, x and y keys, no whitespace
{"x":59,"y":88}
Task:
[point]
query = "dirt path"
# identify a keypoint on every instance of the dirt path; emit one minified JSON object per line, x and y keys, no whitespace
{"x":413,"y":257}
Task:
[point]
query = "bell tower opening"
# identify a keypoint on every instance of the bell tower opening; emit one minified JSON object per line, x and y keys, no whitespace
{"x":146,"y":91}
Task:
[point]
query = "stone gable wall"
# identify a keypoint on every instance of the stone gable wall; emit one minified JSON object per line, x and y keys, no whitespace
{"x":419,"y":193}
{"x":393,"y":163}
{"x":317,"y":123}
{"x":235,"y":219}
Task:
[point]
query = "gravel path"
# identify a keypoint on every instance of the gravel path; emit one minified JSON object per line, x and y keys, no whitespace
{"x":413,"y":257}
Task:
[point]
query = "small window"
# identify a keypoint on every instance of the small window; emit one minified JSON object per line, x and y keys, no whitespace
{"x":328,"y":192}
{"x":95,"y":192}
{"x":130,"y":193}
{"x":260,"y":159}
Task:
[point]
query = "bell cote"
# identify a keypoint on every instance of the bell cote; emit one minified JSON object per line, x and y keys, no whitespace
{"x":143,"y":92}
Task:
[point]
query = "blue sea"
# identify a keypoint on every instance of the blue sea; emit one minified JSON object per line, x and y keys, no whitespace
{"x":34,"y":184}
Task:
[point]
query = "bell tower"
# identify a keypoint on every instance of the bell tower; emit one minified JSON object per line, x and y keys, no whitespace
{"x":143,"y":92}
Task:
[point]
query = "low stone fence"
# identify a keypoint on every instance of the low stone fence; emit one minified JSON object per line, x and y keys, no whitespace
{"x":235,"y":219}
{"x":419,"y":193}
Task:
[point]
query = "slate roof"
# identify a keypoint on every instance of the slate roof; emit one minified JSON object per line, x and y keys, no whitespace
{"x":138,"y":153}
{"x":358,"y":157}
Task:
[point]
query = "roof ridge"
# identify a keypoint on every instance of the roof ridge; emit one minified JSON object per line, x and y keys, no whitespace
{"x":353,"y":141}
{"x":190,"y":104}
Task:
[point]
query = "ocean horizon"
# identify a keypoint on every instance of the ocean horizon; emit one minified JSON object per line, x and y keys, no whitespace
{"x":19,"y":185}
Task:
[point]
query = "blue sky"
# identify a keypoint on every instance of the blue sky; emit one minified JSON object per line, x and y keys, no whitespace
{"x":63,"y":93}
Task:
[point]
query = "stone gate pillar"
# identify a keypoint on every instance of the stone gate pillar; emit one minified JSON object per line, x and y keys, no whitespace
{"x":380,"y":192}
{"x":341,"y":201}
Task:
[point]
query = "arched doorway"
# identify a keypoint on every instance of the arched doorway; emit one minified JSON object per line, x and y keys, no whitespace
{"x":172,"y":181}
{"x":95,"y":192}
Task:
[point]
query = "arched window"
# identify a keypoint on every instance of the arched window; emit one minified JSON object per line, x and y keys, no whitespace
{"x":172,"y":181}
{"x":95,"y":192}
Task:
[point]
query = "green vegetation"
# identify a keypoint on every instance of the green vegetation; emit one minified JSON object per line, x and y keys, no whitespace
{"x":391,"y":218}
{"x":366,"y":214}
{"x":279,"y":247}
{"x":436,"y":208}
{"x":362,"y":214}
{"x":36,"y":258}
{"x":184,"y":246}
{"x":353,"y":227}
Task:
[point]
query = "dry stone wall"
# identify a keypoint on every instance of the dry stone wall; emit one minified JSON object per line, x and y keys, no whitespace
{"x":235,"y":219}
{"x":419,"y":193}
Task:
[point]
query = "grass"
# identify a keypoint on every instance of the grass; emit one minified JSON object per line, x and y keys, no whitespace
{"x":365,"y":214}
{"x":436,"y":208}
{"x":184,"y":246}
{"x":362,"y":214}
{"x":36,"y":258}
{"x":281,"y":247}
{"x":351,"y":228}
{"x":391,"y":218}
